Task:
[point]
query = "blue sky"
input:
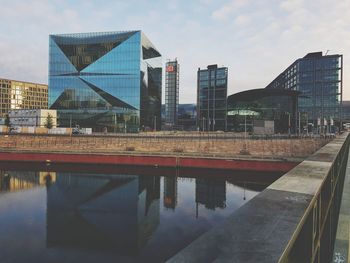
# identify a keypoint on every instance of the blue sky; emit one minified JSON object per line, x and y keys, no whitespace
{"x":255,"y":39}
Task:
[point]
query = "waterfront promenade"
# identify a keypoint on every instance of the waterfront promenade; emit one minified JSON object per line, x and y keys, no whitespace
{"x":293,"y":220}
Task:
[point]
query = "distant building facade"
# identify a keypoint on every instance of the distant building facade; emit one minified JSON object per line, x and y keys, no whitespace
{"x":319,"y":78}
{"x":32,"y":118}
{"x":211,"y":98}
{"x":22,"y":95}
{"x":248,"y":110}
{"x":105,"y":80}
{"x":346,"y":111}
{"x":172,"y":69}
{"x":186,"y":118}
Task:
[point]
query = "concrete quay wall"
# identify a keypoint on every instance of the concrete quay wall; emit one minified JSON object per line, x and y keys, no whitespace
{"x":226,"y":147}
{"x":293,"y":220}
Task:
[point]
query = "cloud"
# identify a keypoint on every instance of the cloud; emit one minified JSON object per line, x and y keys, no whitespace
{"x":291,"y":5}
{"x":251,"y":38}
{"x":242,"y":20}
{"x":227,"y":10}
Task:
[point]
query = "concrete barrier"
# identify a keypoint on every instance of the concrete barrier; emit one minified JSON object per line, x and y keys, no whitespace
{"x":293,"y":220}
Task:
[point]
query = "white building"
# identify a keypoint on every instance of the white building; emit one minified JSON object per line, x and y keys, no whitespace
{"x":32,"y":118}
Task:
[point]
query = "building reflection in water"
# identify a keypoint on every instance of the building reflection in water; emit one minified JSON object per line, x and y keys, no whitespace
{"x":119,"y":213}
{"x":170,"y":192}
{"x":211,"y":192}
{"x":113,"y":212}
{"x":11,"y":181}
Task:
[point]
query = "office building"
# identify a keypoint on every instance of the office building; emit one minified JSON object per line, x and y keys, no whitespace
{"x":211,"y":98}
{"x":171,"y":92}
{"x":319,"y":78}
{"x":22,"y":95}
{"x":346,"y":111}
{"x":250,"y":110}
{"x":109,"y":80}
{"x":32,"y":118}
{"x":187,"y":117}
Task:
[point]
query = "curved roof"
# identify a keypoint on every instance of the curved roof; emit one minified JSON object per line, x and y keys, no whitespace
{"x":253,"y":94}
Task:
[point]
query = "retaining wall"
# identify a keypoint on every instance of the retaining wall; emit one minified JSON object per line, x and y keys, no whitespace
{"x":301,"y":147}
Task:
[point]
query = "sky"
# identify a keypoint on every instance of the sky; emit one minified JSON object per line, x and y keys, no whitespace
{"x":255,"y":39}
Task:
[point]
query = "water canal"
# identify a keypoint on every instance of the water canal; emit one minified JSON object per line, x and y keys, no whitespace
{"x":71,"y":213}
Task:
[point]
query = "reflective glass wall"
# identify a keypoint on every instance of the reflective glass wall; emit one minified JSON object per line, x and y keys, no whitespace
{"x":171,"y":92}
{"x":107,"y":81}
{"x":211,"y":98}
{"x":319,"y":79}
{"x":260,"y":104}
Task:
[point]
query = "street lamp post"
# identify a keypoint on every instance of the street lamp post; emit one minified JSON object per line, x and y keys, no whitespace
{"x":288,"y":123}
{"x":155,"y":123}
{"x":115,"y":122}
{"x":245,"y":126}
{"x":299,"y":123}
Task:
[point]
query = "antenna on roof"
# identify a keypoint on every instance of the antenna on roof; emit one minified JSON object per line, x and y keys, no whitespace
{"x":327,"y":52}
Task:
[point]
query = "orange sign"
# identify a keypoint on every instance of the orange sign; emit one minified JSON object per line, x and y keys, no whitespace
{"x":170,"y":68}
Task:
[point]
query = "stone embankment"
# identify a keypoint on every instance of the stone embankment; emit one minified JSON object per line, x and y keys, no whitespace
{"x":169,"y":145}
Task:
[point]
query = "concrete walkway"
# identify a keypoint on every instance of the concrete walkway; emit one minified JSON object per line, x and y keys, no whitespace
{"x":342,"y":242}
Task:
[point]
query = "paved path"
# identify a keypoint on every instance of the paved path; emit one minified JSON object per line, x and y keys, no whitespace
{"x":342,"y":244}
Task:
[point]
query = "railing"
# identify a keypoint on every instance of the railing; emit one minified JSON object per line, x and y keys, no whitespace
{"x":315,"y":241}
{"x":189,"y":135}
{"x":293,"y":220}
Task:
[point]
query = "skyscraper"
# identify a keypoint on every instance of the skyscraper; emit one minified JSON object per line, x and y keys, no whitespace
{"x":211,"y":98}
{"x":109,"y":80}
{"x":319,"y":78}
{"x":171,"y":91}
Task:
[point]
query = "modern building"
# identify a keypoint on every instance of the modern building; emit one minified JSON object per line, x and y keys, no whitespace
{"x":211,"y":98}
{"x":248,"y":109}
{"x":172,"y":69}
{"x":16,"y":94}
{"x":106,"y":80}
{"x":346,"y":111}
{"x":319,"y":78}
{"x":186,"y":118}
{"x":32,"y":118}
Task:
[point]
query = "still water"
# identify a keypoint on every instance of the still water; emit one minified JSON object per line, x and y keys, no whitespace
{"x":84,"y":214}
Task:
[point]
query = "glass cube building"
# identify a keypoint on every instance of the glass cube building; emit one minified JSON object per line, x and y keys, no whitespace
{"x":319,"y":79}
{"x":106,"y":81}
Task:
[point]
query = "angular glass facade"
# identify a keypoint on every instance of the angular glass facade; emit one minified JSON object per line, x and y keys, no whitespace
{"x":109,"y":80}
{"x":211,"y":98}
{"x":319,"y":79}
